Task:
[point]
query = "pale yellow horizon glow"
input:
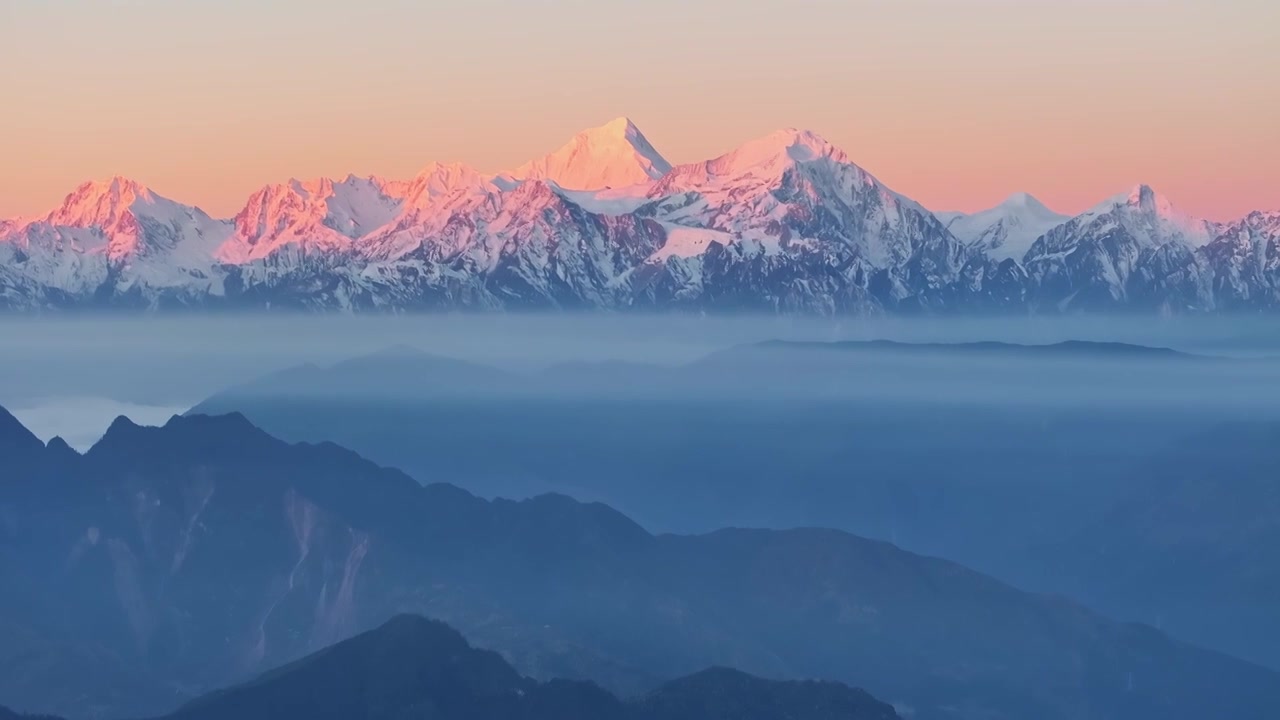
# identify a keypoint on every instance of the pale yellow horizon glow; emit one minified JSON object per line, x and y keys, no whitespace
{"x":956,"y":103}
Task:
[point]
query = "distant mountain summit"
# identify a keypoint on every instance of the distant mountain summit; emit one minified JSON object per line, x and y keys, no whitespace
{"x":410,"y":666}
{"x":16,"y":441}
{"x":762,"y":157}
{"x":1246,"y":261}
{"x":1068,"y":348}
{"x":787,"y":223}
{"x":114,"y":234}
{"x":1133,"y":250}
{"x":318,"y":216}
{"x":1006,"y":231}
{"x":615,"y":154}
{"x":784,"y":223}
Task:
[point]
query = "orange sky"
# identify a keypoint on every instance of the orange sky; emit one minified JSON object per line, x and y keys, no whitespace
{"x":956,"y":103}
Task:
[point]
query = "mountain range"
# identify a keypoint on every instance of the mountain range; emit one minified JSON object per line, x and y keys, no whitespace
{"x":959,"y":450}
{"x":166,"y":562}
{"x":783,"y":223}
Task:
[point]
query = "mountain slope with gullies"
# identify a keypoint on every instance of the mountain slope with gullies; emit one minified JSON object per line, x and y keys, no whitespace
{"x":201,"y":553}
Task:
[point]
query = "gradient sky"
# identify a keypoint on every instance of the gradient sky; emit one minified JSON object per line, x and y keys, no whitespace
{"x":956,"y":103}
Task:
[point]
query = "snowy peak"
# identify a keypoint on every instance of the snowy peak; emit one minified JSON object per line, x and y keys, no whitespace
{"x":1027,"y":202}
{"x":777,"y":149}
{"x":1141,"y":198}
{"x":613,"y":155}
{"x":1257,"y":226}
{"x":1133,"y":247}
{"x":1007,"y":230}
{"x":312,"y":215}
{"x":431,"y":199}
{"x":785,"y":221}
{"x":439,"y":180}
{"x":117,"y":186}
{"x":1151,"y":218}
{"x":1141,"y":201}
{"x":618,"y":127}
{"x":792,"y":193}
{"x":762,"y":160}
{"x":101,"y":204}
{"x":1267,"y":217}
{"x":119,"y":231}
{"x":797,"y":145}
{"x":120,"y":218}
{"x":1019,"y":203}
{"x":397,"y":188}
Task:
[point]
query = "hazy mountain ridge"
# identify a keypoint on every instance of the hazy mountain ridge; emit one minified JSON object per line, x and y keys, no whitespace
{"x":909,"y":442}
{"x":413,"y":667}
{"x":1081,"y":348}
{"x":411,"y":374}
{"x":783,"y":223}
{"x":1199,"y":532}
{"x":152,"y":522}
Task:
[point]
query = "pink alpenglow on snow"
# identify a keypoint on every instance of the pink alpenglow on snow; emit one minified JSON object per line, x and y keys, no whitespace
{"x":614,"y":155}
{"x":596,"y":219}
{"x":318,"y":215}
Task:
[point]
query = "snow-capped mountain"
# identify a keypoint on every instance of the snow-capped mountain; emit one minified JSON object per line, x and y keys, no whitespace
{"x":787,"y":222}
{"x":1245,"y":263}
{"x":318,"y":216}
{"x":1134,"y":248}
{"x":433,"y":197}
{"x":613,"y":155}
{"x":119,"y":238}
{"x":782,"y":223}
{"x":530,"y":246}
{"x":1007,"y":230}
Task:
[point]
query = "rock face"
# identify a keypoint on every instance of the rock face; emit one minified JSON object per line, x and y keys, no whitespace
{"x":784,"y":223}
